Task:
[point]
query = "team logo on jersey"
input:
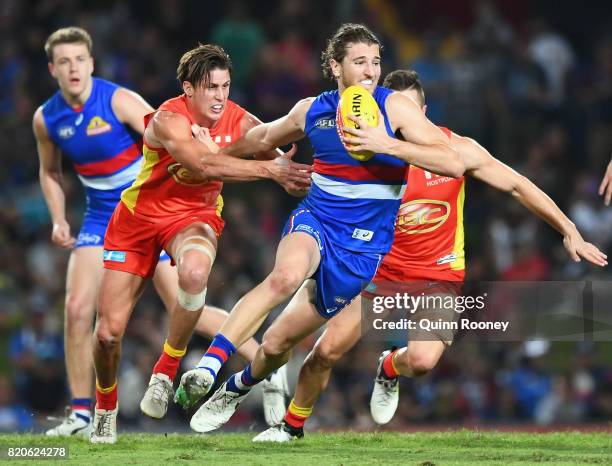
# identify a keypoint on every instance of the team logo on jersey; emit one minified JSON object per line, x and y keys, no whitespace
{"x":65,"y":132}
{"x":422,"y":216}
{"x":98,"y":126}
{"x":183,"y":176}
{"x":325,"y":123}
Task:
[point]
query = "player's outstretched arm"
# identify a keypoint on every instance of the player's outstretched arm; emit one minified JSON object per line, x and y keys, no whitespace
{"x":482,"y":165}
{"x":424,"y":145}
{"x":130,"y":108}
{"x":50,"y":176}
{"x":268,"y":136}
{"x":605,"y":188}
{"x":173,"y":132}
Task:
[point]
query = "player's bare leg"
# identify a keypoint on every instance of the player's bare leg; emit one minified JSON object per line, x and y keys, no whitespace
{"x":82,"y":283}
{"x":194,"y":249}
{"x":417,"y":358}
{"x":119,"y":292}
{"x":341,"y":334}
{"x":297,"y":258}
{"x":212,"y":317}
{"x":299,"y":319}
{"x":166,"y":282}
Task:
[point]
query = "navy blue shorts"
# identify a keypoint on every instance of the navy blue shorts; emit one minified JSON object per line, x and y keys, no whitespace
{"x":341,"y":273}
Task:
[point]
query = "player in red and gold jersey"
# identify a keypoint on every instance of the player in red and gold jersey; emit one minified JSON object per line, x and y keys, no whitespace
{"x":427,"y":257}
{"x":175,"y":205}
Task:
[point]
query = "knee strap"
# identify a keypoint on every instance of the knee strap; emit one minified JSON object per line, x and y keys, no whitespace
{"x":194,"y":301}
{"x":187,"y":246}
{"x":191,"y":301}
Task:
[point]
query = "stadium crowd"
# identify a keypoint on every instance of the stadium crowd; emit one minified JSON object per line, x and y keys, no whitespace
{"x":533,"y":87}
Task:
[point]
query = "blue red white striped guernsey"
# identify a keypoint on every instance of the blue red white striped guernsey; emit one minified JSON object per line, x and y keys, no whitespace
{"x":105,"y":153}
{"x":356,"y":202}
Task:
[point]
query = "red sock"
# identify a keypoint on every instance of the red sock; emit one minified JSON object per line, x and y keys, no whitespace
{"x":168,"y":365}
{"x":169,"y":361}
{"x":388,"y":369}
{"x":296,"y":416}
{"x":107,"y":401}
{"x":294,"y":420}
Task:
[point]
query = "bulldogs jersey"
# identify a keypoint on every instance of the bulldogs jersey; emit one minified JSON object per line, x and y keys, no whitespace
{"x":355,"y":202}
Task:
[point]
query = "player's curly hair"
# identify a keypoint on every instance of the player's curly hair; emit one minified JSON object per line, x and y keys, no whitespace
{"x":196,"y":64}
{"x":400,"y":80}
{"x":348,"y":33}
{"x":68,"y":35}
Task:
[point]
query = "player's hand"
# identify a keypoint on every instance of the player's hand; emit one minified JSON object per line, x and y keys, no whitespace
{"x":203,"y":135}
{"x":294,"y":177}
{"x":605,"y":188}
{"x":367,"y":138}
{"x":578,"y":248}
{"x":60,"y":235}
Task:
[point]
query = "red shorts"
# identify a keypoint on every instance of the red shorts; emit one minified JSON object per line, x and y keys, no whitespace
{"x":391,"y":280}
{"x":132,"y":244}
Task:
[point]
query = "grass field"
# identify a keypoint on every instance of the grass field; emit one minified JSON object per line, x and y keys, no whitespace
{"x":448,"y":448}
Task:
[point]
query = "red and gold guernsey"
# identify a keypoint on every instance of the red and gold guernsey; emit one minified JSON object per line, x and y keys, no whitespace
{"x":429,"y":237}
{"x":164,"y":187}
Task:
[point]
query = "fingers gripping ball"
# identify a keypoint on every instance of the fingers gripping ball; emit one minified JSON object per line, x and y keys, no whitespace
{"x":356,"y":101}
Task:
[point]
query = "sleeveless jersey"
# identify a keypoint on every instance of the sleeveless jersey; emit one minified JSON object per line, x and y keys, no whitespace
{"x":104,"y":152}
{"x":164,"y":186}
{"x":429,"y":238}
{"x":355,"y":202}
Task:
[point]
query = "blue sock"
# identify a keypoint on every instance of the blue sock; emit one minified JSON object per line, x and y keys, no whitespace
{"x":217,"y":354}
{"x":80,"y":404}
{"x":242,"y":382}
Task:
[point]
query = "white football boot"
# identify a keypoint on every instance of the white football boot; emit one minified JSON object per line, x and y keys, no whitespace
{"x":217,"y":410}
{"x":194,"y":385}
{"x":385,"y":396}
{"x":281,"y":433}
{"x":104,"y":426}
{"x":275,"y":391}
{"x":155,"y":400}
{"x":74,"y":424}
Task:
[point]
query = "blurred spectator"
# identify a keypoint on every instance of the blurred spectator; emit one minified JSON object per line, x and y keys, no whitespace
{"x":554,"y":54}
{"x":14,"y":417}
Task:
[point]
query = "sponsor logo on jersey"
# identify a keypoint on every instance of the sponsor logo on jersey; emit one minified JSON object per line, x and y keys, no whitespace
{"x":65,"y":132}
{"x":434,"y":180}
{"x":114,"y":256}
{"x":183,"y":176}
{"x":98,"y":126}
{"x":363,"y":235}
{"x":422,"y":216}
{"x":325,"y":123}
{"x":89,"y":239}
{"x":311,"y":231}
{"x":329,"y":310}
{"x":78,"y":120}
{"x":447,"y":259}
{"x":340,"y":300}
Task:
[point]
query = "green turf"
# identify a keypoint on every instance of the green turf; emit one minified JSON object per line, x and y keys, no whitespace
{"x":448,"y":448}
